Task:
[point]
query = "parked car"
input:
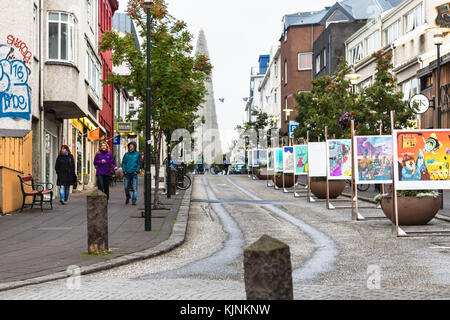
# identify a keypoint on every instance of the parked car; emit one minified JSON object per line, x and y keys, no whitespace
{"x":238,"y":168}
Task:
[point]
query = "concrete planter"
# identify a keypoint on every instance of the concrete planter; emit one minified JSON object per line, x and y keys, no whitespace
{"x":412,"y":210}
{"x":319,"y":188}
{"x":288,"y":180}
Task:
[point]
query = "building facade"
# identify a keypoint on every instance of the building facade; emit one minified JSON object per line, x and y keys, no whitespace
{"x":255,"y":100}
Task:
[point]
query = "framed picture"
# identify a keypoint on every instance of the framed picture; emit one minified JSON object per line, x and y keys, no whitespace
{"x":270,"y":159}
{"x":262,"y":157}
{"x":339,"y":162}
{"x":317,"y":159}
{"x":301,"y":159}
{"x":422,"y":159}
{"x":288,"y":159}
{"x":373,"y":159}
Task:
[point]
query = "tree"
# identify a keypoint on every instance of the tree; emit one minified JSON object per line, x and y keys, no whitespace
{"x":177,"y":78}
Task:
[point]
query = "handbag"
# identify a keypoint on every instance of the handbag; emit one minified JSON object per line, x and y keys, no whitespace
{"x":75,"y":181}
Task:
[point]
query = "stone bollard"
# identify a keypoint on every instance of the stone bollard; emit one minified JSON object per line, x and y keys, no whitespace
{"x":97,"y":222}
{"x":268,"y":270}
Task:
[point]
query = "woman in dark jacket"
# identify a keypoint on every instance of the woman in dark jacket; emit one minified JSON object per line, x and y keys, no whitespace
{"x":65,"y":169}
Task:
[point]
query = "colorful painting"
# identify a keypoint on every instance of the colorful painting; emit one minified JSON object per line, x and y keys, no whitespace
{"x":288,"y":159}
{"x":422,"y":159}
{"x":373,"y":159}
{"x":278,"y":160}
{"x":270,"y":159}
{"x":301,"y":159}
{"x":317,"y":159}
{"x":339,"y":159}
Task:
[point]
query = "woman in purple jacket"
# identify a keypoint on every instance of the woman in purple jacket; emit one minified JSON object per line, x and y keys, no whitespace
{"x":104,"y":161}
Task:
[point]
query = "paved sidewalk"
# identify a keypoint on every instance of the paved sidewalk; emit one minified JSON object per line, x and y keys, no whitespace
{"x":35,"y":244}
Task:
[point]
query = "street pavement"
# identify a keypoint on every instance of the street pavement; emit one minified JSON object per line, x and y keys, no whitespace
{"x":332,"y":256}
{"x":38,"y":244}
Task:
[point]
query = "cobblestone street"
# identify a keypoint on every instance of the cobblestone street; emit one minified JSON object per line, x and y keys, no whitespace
{"x":331,"y":255}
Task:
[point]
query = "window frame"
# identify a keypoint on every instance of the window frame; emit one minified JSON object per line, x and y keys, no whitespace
{"x":299,"y":68}
{"x":71,"y":25}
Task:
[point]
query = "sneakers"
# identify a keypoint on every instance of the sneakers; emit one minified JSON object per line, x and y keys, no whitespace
{"x":127,"y":201}
{"x":62,"y":202}
{"x":134,"y":203}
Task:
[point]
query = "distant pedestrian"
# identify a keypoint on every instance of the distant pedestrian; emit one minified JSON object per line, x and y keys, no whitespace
{"x":65,"y":170}
{"x":142,"y":163}
{"x":104,"y":162}
{"x":131,"y":167}
{"x":227,"y":164}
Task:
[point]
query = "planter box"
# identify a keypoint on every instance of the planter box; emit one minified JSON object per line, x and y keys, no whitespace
{"x":412,"y":210}
{"x":288,"y":180}
{"x":319,"y":188}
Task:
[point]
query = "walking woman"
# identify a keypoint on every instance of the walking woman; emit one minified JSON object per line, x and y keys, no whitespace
{"x":65,"y":170}
{"x":104,"y":161}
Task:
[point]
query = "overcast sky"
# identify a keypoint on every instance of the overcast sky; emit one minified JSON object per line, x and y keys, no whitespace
{"x":237,"y":32}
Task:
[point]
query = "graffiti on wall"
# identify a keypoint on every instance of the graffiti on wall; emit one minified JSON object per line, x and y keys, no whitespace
{"x":21,"y":46}
{"x":15,"y":99}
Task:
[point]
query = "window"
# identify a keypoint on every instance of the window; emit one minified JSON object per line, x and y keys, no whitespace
{"x":285,"y":71}
{"x":366,"y":83}
{"x":372,"y":43}
{"x":275,"y":69}
{"x":92,"y":13}
{"x":305,"y":61}
{"x":318,"y":63}
{"x":392,"y":33}
{"x":93,"y":71}
{"x":414,"y":18}
{"x":356,"y":53}
{"x":325,"y":57}
{"x":410,"y":88}
{"x":61,"y":36}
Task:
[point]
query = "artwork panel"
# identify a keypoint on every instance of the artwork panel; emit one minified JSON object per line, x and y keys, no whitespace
{"x":317,"y":159}
{"x":339,"y":159}
{"x":278,"y":160}
{"x":288,"y":159}
{"x":422,"y":159}
{"x":373,"y":161}
{"x":301,"y":159}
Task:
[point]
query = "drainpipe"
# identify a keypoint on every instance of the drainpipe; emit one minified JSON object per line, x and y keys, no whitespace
{"x":41,"y":90}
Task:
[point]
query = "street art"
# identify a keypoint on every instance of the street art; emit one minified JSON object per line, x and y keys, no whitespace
{"x":278,"y":160}
{"x":317,"y":161}
{"x":373,"y":159}
{"x":22,"y":46}
{"x":15,"y":99}
{"x":288,"y":159}
{"x":301,"y":159}
{"x":422,"y":159}
{"x":270,"y":159}
{"x":339,"y":159}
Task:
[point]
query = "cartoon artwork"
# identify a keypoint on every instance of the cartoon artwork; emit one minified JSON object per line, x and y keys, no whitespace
{"x":339,"y":159}
{"x":422,"y":156}
{"x":288,"y":159}
{"x":301,"y":159}
{"x":373,"y":159}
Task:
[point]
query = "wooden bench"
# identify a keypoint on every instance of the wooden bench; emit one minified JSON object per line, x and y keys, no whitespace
{"x":38,"y":190}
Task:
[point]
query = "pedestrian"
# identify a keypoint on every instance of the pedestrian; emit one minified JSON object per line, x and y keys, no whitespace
{"x":104,"y":162}
{"x":142,"y":163}
{"x":131,"y":167}
{"x":227,"y":164}
{"x":65,"y":170}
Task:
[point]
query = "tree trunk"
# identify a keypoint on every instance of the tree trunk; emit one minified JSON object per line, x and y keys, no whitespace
{"x":157,"y":150}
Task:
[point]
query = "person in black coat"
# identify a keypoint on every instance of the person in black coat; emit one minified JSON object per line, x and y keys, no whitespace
{"x":65,"y":169}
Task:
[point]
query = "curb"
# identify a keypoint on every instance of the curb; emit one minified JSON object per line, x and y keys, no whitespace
{"x":176,"y":238}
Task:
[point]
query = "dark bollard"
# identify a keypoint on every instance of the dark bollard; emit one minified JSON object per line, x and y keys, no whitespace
{"x":268,"y":270}
{"x":97,"y":222}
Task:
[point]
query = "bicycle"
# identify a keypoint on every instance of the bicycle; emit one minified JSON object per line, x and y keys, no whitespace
{"x":361,"y":187}
{"x":183,"y":181}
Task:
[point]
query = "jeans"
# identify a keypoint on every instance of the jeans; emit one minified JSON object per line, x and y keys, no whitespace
{"x":64,"y":192}
{"x":103,"y":184}
{"x":131,"y":179}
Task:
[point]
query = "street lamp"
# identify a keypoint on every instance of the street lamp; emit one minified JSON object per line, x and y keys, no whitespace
{"x":288,"y":113}
{"x":438,"y":39}
{"x":148,"y":172}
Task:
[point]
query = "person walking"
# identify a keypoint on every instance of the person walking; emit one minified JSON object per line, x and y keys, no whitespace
{"x":131,"y":167}
{"x":103,"y":162}
{"x":65,"y":171}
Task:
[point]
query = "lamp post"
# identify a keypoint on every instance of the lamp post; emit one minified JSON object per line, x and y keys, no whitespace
{"x":288,"y":113}
{"x":148,"y":172}
{"x":353,"y":77}
{"x":438,"y":39}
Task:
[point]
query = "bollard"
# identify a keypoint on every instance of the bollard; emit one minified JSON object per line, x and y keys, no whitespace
{"x":268,"y":270}
{"x":97,"y":222}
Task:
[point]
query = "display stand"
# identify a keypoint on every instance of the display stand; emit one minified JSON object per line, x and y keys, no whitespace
{"x":269,"y":169}
{"x":310,"y":197}
{"x":305,"y":188}
{"x":396,"y":230}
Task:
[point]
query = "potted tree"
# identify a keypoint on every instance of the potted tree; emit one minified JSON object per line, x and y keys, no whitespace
{"x":415,"y":207}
